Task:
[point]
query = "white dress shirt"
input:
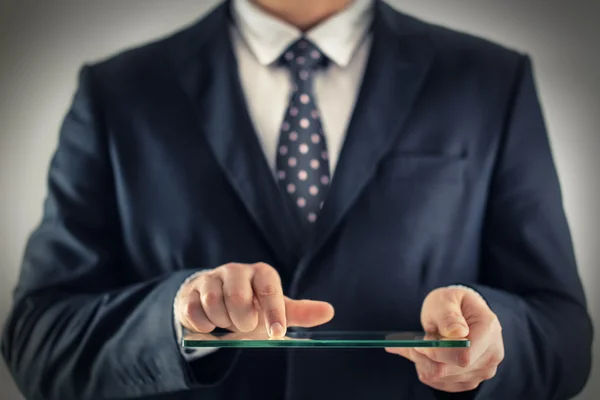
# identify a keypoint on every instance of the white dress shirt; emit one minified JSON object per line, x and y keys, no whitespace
{"x":259,"y":39}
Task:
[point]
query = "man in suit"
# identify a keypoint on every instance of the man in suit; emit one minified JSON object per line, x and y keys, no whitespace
{"x":396,"y":172}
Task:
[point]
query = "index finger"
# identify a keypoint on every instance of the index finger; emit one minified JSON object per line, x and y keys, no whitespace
{"x":266,"y":285}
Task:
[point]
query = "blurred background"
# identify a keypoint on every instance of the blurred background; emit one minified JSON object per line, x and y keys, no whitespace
{"x":44,"y":43}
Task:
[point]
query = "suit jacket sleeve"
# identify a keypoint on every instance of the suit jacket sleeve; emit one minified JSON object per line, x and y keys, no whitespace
{"x":528,"y":271}
{"x":84,"y":325}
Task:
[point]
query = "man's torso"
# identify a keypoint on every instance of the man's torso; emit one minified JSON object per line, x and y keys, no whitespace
{"x":404,"y":213}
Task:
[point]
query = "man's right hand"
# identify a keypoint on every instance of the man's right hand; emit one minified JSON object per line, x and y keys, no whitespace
{"x":245,"y":298}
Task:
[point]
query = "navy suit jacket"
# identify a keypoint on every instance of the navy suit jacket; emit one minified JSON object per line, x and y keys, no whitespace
{"x":446,"y":177}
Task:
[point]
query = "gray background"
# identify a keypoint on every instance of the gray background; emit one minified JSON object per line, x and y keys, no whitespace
{"x":44,"y":43}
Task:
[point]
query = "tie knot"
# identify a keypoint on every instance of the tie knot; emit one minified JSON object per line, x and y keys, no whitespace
{"x":303,"y":55}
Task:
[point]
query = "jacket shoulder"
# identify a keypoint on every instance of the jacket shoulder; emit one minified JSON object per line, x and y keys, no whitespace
{"x":454,"y":43}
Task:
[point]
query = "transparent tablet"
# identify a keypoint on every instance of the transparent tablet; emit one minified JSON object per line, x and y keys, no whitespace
{"x":327,"y":339}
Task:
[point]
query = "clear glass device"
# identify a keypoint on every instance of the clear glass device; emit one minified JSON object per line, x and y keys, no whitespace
{"x":327,"y":339}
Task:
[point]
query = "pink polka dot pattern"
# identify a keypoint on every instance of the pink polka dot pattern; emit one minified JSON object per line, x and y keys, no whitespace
{"x":302,"y":175}
{"x":302,"y":158}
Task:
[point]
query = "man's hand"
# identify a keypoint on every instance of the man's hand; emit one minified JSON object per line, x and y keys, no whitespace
{"x":458,"y":313}
{"x":245,"y":298}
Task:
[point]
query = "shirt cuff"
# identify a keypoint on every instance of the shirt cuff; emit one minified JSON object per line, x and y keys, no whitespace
{"x":187,"y":353}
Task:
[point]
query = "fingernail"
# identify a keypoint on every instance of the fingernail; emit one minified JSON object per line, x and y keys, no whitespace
{"x":276,"y":330}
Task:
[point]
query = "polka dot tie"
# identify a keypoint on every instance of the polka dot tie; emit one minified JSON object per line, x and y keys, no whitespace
{"x":302,"y":159}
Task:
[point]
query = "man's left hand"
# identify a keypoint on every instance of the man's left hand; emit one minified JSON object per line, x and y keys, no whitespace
{"x":456,"y":312}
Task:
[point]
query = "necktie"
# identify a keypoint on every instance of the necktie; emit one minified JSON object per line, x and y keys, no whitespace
{"x":302,"y":159}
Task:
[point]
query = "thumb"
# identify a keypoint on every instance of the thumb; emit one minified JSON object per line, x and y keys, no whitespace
{"x":307,"y":313}
{"x":442,"y":313}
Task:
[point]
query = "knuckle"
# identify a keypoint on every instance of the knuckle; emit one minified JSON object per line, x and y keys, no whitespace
{"x":206,"y":276}
{"x":434,"y":356}
{"x":238,"y":297}
{"x":488,"y":373}
{"x":212,"y":298}
{"x":432,"y":371}
{"x":423,"y":379}
{"x":451,"y":293}
{"x":264,"y":268}
{"x":435,"y":294}
{"x":268,"y":290}
{"x":200,"y":277}
{"x":451,"y":317}
{"x":188,"y":309}
{"x":187,"y":289}
{"x":439,"y":371}
{"x":496,"y":358}
{"x":465,"y":357}
{"x":232,"y":267}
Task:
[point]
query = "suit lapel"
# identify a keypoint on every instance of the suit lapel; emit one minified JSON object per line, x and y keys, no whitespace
{"x":399,"y":61}
{"x":395,"y":72}
{"x":210,"y":78}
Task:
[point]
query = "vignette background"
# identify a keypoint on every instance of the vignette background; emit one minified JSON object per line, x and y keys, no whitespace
{"x":44,"y":43}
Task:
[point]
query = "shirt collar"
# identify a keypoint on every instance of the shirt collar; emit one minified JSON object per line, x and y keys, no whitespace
{"x":337,"y":37}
